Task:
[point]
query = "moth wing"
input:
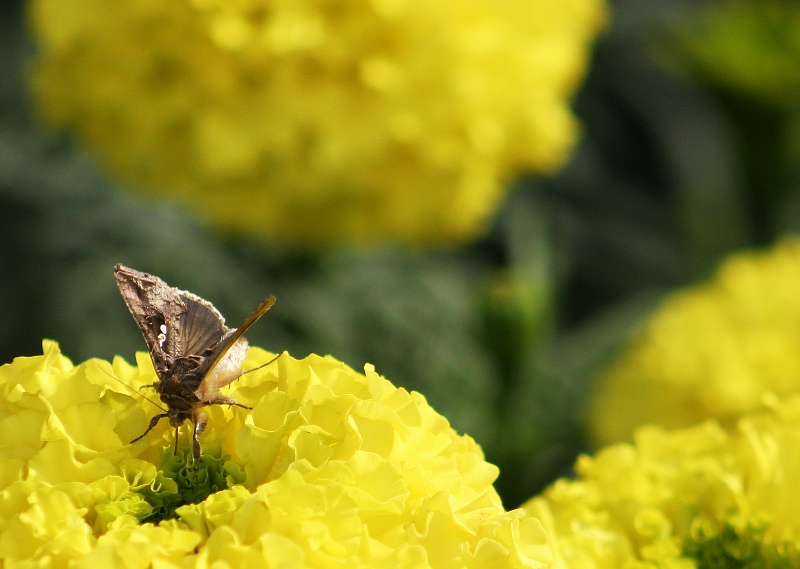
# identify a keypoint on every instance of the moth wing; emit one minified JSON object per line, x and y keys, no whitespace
{"x":227,"y":360}
{"x":154,"y":305}
{"x":201,"y":326}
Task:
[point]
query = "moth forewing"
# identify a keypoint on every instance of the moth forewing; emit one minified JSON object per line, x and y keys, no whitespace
{"x":154,"y":306}
{"x":237,"y":334}
{"x":232,"y":343}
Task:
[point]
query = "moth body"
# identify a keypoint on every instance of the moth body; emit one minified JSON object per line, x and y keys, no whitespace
{"x":193,"y":352}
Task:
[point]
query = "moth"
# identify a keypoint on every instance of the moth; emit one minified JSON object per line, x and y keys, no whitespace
{"x":193,"y":352}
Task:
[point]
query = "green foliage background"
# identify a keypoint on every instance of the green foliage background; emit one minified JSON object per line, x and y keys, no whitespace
{"x":678,"y":166}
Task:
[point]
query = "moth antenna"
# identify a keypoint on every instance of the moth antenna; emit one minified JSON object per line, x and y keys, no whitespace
{"x":241,"y":373}
{"x":262,"y":365}
{"x":132,"y":389}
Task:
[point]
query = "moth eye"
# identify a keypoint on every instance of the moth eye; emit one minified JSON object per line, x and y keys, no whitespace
{"x":162,"y":337}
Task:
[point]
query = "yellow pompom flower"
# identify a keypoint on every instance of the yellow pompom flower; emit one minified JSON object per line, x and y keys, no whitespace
{"x":710,"y":350}
{"x":697,"y":498}
{"x":330,"y":468}
{"x":315,"y":121}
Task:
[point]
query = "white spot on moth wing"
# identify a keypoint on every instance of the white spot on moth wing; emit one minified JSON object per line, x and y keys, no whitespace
{"x":162,"y":337}
{"x":227,"y":370}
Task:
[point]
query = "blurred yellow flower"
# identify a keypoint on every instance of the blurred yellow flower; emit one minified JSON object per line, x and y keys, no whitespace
{"x":710,"y":350}
{"x":701,"y":497}
{"x":316,"y":121}
{"x":331,"y":468}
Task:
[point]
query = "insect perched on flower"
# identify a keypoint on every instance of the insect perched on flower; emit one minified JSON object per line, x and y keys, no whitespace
{"x":193,"y":352}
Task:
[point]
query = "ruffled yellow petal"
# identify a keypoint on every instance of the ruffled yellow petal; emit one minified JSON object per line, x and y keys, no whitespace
{"x":697,"y":497}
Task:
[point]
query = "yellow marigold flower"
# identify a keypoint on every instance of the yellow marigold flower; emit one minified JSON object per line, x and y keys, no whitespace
{"x":311,"y":121}
{"x":710,"y":350}
{"x":701,"y":497}
{"x":331,"y":468}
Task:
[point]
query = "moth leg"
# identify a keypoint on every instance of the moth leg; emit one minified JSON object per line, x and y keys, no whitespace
{"x":222,"y":400}
{"x":150,"y":385}
{"x":175,"y":452}
{"x":200,"y":422}
{"x":153,"y":422}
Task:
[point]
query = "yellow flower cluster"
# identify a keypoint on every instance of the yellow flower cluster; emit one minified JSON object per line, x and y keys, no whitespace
{"x":710,"y":350}
{"x":313,"y":121}
{"x":699,"y":497}
{"x":331,"y":468}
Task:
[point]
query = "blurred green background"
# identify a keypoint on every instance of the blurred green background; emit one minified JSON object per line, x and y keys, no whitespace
{"x":677,"y":167}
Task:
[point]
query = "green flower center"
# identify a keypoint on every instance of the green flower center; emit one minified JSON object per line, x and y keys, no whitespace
{"x":183,"y":481}
{"x":740,"y":548}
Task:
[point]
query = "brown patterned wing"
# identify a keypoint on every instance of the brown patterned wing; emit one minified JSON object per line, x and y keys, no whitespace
{"x":225,"y":363}
{"x":157,"y":309}
{"x":202,"y":327}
